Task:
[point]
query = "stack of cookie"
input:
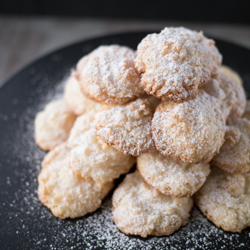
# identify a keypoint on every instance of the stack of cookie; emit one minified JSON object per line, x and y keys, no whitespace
{"x":172,"y":108}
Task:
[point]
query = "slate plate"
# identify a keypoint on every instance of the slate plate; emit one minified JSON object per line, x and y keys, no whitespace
{"x":24,"y":222}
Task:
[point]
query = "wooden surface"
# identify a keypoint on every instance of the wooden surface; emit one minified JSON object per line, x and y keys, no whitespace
{"x":23,"y":40}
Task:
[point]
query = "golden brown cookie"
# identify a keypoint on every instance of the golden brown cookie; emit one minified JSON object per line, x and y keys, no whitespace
{"x":234,"y":156}
{"x":127,"y":127}
{"x":77,"y":102}
{"x":175,"y":62}
{"x":65,"y":194}
{"x":108,"y":75}
{"x":91,"y":157}
{"x":139,"y":209}
{"x":173,"y":178}
{"x":225,"y":200}
{"x":53,"y":124}
{"x":192,"y":131}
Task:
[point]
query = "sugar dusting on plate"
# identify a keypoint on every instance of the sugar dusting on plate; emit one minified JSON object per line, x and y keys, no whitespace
{"x":36,"y":228}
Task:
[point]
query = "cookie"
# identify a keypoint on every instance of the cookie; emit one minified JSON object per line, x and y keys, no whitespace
{"x":108,"y":75}
{"x":173,"y":178}
{"x":175,"y":62}
{"x":127,"y":127}
{"x":65,"y":194}
{"x":192,"y":131}
{"x":91,"y":157}
{"x":139,"y":209}
{"x":222,"y":88}
{"x":53,"y":124}
{"x":225,"y":200}
{"x":234,"y":156}
{"x":77,"y":102}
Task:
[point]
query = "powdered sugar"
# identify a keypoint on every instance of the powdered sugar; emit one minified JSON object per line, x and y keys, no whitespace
{"x":176,"y":61}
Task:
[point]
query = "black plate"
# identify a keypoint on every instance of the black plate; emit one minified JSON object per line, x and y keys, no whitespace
{"x":24,"y":222}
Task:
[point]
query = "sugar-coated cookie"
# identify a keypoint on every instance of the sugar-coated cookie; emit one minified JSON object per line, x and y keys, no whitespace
{"x":53,"y":124}
{"x":92,"y":157}
{"x":78,"y":103}
{"x":234,"y":156}
{"x":173,"y":178}
{"x":139,"y":209}
{"x":127,"y":127}
{"x":65,"y":194}
{"x":192,"y":131}
{"x":108,"y":75}
{"x":175,"y":62}
{"x":225,"y":200}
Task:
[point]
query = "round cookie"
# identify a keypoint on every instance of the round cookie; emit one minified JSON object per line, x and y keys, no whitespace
{"x":139,"y":209}
{"x":78,"y":103}
{"x":127,"y":127}
{"x":176,"y":62}
{"x":192,"y":131}
{"x":53,"y":124}
{"x":234,"y":156}
{"x":108,"y":75}
{"x":91,"y":157}
{"x":225,"y":200}
{"x":173,"y":178}
{"x":65,"y":194}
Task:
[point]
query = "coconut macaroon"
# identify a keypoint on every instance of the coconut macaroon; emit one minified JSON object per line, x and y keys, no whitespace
{"x":173,"y":178}
{"x":234,"y":156}
{"x":91,"y":157}
{"x":222,"y":88}
{"x":139,"y":209}
{"x":229,"y":93}
{"x":77,"y":102}
{"x":127,"y":127}
{"x":192,"y":131}
{"x":176,"y":62}
{"x":108,"y":75}
{"x":53,"y":124}
{"x":225,"y":200}
{"x":65,"y":194}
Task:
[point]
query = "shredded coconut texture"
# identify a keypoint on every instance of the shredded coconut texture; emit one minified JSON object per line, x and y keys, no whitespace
{"x":77,"y":102}
{"x":127,"y":127}
{"x":234,"y":156}
{"x":175,"y":62}
{"x":192,"y":131}
{"x":222,"y":88}
{"x":65,"y":194}
{"x":139,"y":209}
{"x":177,"y":179}
{"x":92,"y":157}
{"x":53,"y":125}
{"x":225,"y":200}
{"x":108,"y":75}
